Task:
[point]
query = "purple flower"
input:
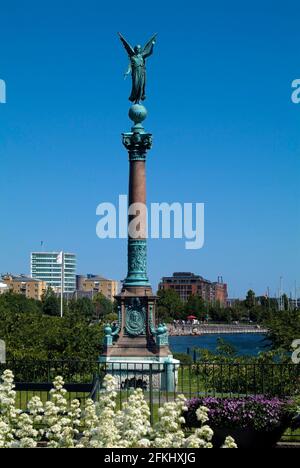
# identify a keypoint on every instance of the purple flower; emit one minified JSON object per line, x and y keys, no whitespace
{"x":259,"y":412}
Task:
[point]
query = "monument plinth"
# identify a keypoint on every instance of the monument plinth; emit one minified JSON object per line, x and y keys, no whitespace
{"x":135,"y":348}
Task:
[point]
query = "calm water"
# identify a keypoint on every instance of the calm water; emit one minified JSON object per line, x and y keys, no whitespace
{"x":246,"y":344}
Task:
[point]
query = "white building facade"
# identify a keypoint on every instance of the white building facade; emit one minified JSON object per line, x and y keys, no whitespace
{"x":47,"y":266}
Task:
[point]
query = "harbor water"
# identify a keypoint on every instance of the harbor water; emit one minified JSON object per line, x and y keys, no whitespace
{"x":245,"y":344}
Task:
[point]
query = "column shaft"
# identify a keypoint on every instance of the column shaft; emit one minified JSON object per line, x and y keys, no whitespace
{"x":137,"y":194}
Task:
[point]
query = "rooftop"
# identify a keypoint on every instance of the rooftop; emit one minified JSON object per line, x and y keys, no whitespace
{"x":52,"y":253}
{"x":184,"y":275}
{"x":90,"y":277}
{"x":20,"y":278}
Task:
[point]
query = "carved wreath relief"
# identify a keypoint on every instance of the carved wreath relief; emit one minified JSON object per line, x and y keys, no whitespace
{"x":135,"y":322}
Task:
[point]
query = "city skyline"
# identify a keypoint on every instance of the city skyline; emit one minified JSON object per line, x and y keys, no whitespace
{"x":77,"y":274}
{"x":61,"y":149}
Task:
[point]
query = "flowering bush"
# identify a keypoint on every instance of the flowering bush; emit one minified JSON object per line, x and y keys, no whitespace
{"x":16,"y":428}
{"x":295,"y":411}
{"x":61,"y":425}
{"x":258,"y":413}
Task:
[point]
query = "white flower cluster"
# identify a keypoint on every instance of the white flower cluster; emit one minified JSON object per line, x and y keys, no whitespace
{"x":229,"y":443}
{"x":102,"y":433}
{"x":133,"y":421}
{"x":55,"y":423}
{"x":16,"y":428}
{"x":168,"y":431}
{"x":62,"y":422}
{"x":58,"y":424}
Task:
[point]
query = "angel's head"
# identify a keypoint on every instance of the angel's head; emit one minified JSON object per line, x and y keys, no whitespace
{"x":138,"y":49}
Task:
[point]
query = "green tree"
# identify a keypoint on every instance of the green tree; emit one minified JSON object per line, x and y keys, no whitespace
{"x":32,"y":335}
{"x":169,"y":305}
{"x":196,"y":306}
{"x":50,"y":303}
{"x":284,"y":328}
{"x":82,"y":306}
{"x":250,"y":299}
{"x":102,"y":306}
{"x":226,"y":349}
{"x":223,"y":314}
{"x":286,"y":302}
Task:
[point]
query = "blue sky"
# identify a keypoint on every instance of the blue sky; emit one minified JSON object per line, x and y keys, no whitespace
{"x":219,"y":102}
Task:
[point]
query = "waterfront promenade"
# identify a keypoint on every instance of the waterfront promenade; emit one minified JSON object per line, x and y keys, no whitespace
{"x":198,"y":330}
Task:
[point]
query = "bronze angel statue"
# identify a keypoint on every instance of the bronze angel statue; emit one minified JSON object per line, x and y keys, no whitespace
{"x":137,"y":67}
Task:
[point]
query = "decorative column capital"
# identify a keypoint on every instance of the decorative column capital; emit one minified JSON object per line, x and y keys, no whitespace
{"x":137,"y":145}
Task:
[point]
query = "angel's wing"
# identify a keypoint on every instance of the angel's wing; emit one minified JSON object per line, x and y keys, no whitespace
{"x":148,"y":49}
{"x":127,"y":46}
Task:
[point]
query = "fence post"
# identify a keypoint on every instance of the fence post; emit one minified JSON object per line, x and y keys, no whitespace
{"x":262,"y":379}
{"x":151,"y":395}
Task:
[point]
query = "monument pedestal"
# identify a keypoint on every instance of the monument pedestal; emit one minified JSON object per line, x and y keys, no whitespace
{"x":136,"y":352}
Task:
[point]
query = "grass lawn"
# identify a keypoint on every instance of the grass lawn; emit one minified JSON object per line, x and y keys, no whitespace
{"x":291,"y":436}
{"x":24,"y":397}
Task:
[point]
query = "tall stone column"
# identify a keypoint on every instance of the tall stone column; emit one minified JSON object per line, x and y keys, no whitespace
{"x":136,"y":334}
{"x":137,"y":143}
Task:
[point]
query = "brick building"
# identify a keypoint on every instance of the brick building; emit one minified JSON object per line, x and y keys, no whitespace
{"x":92,"y":284}
{"x":29,"y":287}
{"x":188,"y":284}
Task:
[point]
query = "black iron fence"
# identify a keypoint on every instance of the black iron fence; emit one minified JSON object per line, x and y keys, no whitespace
{"x":161,"y":381}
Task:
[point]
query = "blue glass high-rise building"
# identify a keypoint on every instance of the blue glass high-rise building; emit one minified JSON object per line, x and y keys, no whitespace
{"x":46,"y":266}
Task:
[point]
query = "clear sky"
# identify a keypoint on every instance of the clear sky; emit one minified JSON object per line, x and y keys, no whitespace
{"x":219,"y":102}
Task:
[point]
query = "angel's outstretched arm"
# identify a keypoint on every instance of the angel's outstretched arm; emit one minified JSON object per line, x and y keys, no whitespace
{"x":129,"y":70}
{"x":148,"y":49}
